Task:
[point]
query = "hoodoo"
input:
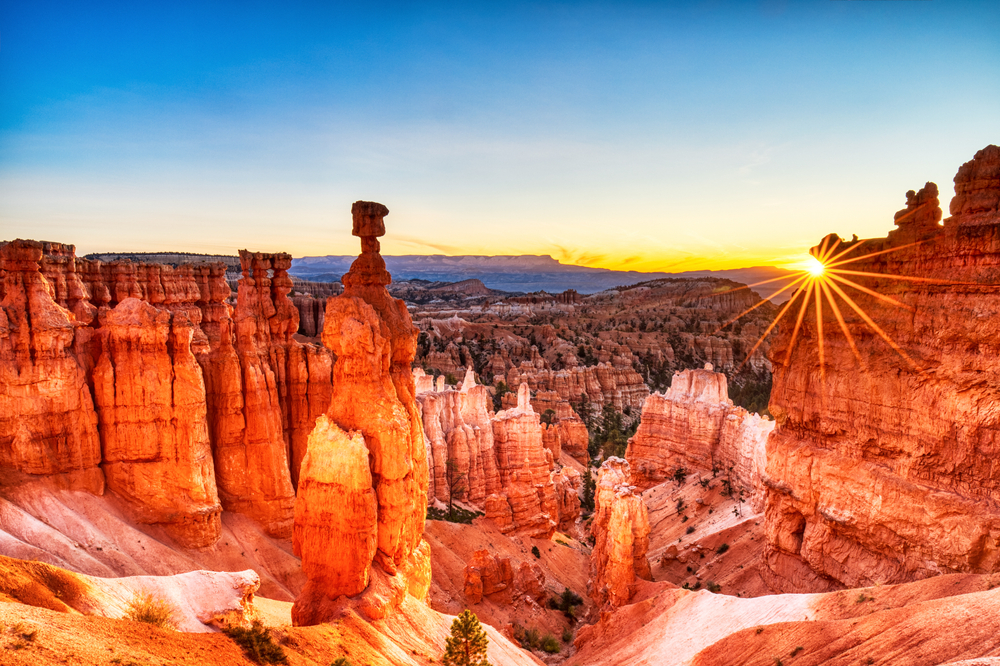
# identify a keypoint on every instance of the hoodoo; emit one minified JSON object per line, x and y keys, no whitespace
{"x":366,"y":458}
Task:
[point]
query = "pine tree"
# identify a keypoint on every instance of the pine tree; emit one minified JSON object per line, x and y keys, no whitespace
{"x":467,"y":644}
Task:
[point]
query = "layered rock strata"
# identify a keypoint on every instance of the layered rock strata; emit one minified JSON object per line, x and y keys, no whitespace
{"x":535,"y":499}
{"x":883,"y":468}
{"x":68,"y":328}
{"x":150,"y":396}
{"x":48,"y":424}
{"x":616,"y":384}
{"x":695,"y":426}
{"x":620,"y":529}
{"x":460,"y":456}
{"x":502,"y":463}
{"x":490,"y":576}
{"x":375,"y":550}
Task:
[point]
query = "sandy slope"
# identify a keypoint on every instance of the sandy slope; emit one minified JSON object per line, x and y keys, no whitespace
{"x":929,"y":622}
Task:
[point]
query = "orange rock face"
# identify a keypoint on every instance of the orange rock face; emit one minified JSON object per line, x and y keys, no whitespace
{"x":64,"y":329}
{"x":886,"y":472}
{"x":695,"y":426}
{"x":604,"y":384}
{"x":621,"y":536}
{"x":374,"y":403}
{"x":48,"y":425}
{"x":502,"y":463}
{"x":488,"y":575}
{"x":539,"y":498}
{"x":154,"y":427}
{"x":461,"y":458}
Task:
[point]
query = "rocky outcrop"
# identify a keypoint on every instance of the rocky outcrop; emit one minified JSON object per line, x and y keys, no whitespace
{"x":535,"y":498}
{"x":885,"y":470}
{"x":695,"y":426}
{"x":65,"y":332}
{"x":490,"y":576}
{"x":502,"y":463}
{"x":150,"y":397}
{"x":604,"y":384}
{"x":460,"y":454}
{"x":374,"y":408}
{"x":48,"y":425}
{"x":621,"y":536}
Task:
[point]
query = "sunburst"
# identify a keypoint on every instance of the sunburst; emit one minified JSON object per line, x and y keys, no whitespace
{"x":822,"y":282}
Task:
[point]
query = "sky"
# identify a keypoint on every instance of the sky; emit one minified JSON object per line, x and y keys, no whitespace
{"x":651,"y":136}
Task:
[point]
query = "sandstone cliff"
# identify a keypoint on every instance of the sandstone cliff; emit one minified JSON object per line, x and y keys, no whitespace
{"x":150,"y":397}
{"x":620,"y":529}
{"x":373,"y":417}
{"x":886,"y":471}
{"x":502,"y":463}
{"x":230,"y":379}
{"x":535,"y":499}
{"x":48,"y":425}
{"x":695,"y":426}
{"x":460,"y":457}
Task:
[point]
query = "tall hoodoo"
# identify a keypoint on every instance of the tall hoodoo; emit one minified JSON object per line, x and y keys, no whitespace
{"x":374,"y":408}
{"x":48,"y":425}
{"x":887,"y":471}
{"x":150,"y":396}
{"x":621,"y":536}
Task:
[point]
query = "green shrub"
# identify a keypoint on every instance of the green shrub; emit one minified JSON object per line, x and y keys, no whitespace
{"x":712,"y":586}
{"x":534,"y":551}
{"x":146,"y":607}
{"x":257,"y":643}
{"x":456,"y":515}
{"x":531,"y":638}
{"x":690,"y":529}
{"x":723,"y":548}
{"x":550,"y":644}
{"x":567,"y":635}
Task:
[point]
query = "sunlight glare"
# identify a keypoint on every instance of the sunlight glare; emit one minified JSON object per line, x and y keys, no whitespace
{"x":814,"y":266}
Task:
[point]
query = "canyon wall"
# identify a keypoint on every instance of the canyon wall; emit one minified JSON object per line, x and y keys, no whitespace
{"x":359,"y":515}
{"x":695,"y":426}
{"x":616,"y":384}
{"x":144,"y":377}
{"x":502,"y":463}
{"x":883,"y":467}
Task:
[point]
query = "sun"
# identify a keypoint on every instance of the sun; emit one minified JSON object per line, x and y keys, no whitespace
{"x":819,"y":282}
{"x":814,"y":266}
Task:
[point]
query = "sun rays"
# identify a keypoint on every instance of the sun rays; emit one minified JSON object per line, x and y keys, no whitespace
{"x":823,"y":283}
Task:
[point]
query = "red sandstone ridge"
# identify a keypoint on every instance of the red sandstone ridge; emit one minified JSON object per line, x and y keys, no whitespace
{"x":621,"y":536}
{"x":154,"y":425}
{"x":695,"y":426}
{"x":886,"y":472}
{"x":195,"y":403}
{"x":366,"y":458}
{"x":48,"y":425}
{"x":461,"y":458}
{"x":501,"y":462}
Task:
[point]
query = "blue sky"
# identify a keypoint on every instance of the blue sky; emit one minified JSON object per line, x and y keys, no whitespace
{"x":652,"y":136}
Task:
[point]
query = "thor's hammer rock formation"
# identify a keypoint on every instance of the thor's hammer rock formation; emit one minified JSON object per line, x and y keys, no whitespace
{"x":359,"y":513}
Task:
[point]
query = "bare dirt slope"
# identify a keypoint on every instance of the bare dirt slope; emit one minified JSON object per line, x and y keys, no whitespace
{"x":563,"y":561}
{"x":92,"y":535}
{"x":935,"y":621}
{"x":714,"y":538}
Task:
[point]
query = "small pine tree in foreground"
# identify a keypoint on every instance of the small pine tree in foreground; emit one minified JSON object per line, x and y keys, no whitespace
{"x":467,"y":644}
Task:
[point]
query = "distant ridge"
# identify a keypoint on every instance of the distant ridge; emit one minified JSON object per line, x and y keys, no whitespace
{"x":523,"y":273}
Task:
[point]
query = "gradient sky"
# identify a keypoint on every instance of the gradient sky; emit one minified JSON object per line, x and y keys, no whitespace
{"x":646,"y":136}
